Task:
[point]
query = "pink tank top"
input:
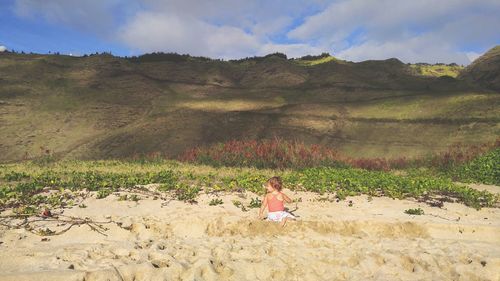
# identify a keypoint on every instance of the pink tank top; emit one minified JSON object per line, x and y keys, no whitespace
{"x":274,"y":204}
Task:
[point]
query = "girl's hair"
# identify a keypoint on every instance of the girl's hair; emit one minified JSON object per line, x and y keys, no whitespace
{"x":276,"y":183}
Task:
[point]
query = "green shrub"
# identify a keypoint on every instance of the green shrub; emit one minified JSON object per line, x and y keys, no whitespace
{"x":417,"y":212}
{"x":15,"y":176}
{"x":186,"y":193}
{"x":103,"y":193}
{"x":349,"y":182}
{"x":484,"y":169}
{"x":240,"y":205}
{"x":215,"y":202}
{"x":255,"y":203}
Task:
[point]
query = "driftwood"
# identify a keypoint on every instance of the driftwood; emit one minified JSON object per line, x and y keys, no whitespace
{"x":438,"y":216}
{"x":11,"y":221}
{"x":29,"y":221}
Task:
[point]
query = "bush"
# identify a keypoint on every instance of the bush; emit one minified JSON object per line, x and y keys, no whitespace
{"x":103,"y":193}
{"x":417,"y":212}
{"x":310,"y":57}
{"x":377,"y":183}
{"x":277,"y":54}
{"x":282,"y":154}
{"x":484,"y":169}
{"x":215,"y":202}
{"x":186,"y":193}
{"x":255,"y":203}
{"x":274,"y":154}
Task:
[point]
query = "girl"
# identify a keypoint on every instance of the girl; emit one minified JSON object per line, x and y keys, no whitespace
{"x":274,"y":200}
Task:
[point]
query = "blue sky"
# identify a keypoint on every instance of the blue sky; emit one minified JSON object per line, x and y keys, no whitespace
{"x":413,"y":31}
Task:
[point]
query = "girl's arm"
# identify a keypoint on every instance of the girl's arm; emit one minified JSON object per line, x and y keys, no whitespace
{"x":263,"y":206}
{"x":286,"y":198}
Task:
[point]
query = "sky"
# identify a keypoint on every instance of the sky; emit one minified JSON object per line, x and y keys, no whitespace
{"x":429,"y":31}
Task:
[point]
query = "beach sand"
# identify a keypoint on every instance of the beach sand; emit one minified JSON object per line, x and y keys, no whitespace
{"x":370,"y":240}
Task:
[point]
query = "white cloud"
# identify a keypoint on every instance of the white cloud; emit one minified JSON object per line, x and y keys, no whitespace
{"x":239,"y":13}
{"x":89,"y":15}
{"x":413,"y":31}
{"x":412,"y":50}
{"x":167,"y":32}
{"x":151,"y":32}
{"x":425,"y":31}
{"x":3,"y":48}
{"x":291,"y":50}
{"x":219,"y":28}
{"x":269,"y":27}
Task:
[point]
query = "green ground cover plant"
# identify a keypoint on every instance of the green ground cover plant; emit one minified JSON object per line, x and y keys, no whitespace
{"x":215,"y":202}
{"x":255,"y":203}
{"x":417,"y":211}
{"x":60,"y":184}
{"x":483,"y":169}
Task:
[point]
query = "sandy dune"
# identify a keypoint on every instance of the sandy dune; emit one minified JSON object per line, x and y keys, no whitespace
{"x":371,"y":240}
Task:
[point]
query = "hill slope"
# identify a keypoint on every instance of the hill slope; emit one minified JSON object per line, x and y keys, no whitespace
{"x":485,"y":70}
{"x":104,"y":107}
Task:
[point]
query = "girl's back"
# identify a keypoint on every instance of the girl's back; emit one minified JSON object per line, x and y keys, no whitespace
{"x":274,"y":203}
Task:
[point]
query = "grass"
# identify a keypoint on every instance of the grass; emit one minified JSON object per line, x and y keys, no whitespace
{"x":230,"y":105}
{"x":446,"y":107}
{"x":437,"y":70}
{"x":312,"y":62}
{"x":280,"y":154}
{"x":104,"y":107}
{"x":276,"y":153}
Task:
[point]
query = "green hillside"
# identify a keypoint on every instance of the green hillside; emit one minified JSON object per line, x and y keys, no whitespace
{"x":102,"y":106}
{"x":437,"y":70}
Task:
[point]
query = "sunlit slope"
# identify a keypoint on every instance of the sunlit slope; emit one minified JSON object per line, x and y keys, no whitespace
{"x":437,"y":70}
{"x":103,"y":106}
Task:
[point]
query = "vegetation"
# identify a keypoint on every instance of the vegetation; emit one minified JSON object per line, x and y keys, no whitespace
{"x":29,"y":187}
{"x":437,"y":70}
{"x":129,"y":197}
{"x":255,"y":203}
{"x":260,"y":59}
{"x":215,"y":202}
{"x":483,"y":169}
{"x":484,"y":71}
{"x":416,"y":211}
{"x":103,"y":193}
{"x":310,"y":57}
{"x":281,"y":154}
{"x":275,"y":153}
{"x":350,"y":182}
{"x":240,"y":205}
{"x":107,"y":107}
{"x":315,"y":60}
{"x":170,"y":57}
{"x":155,"y":105}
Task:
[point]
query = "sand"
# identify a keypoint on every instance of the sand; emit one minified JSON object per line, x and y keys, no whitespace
{"x":370,"y":240}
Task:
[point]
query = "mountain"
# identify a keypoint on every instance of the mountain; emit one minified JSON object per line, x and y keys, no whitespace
{"x":101,"y":106}
{"x":485,"y":70}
